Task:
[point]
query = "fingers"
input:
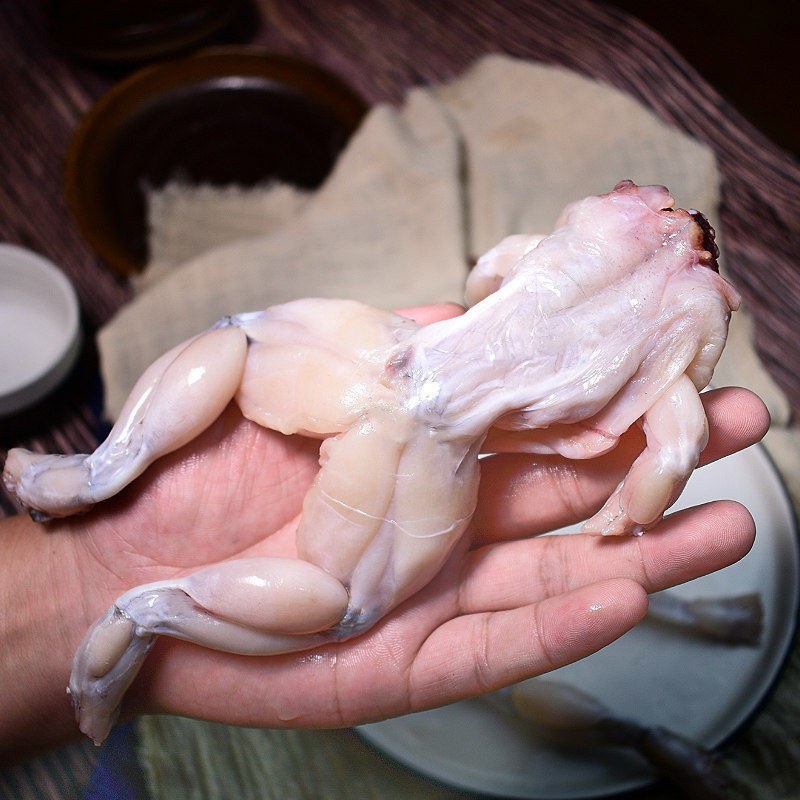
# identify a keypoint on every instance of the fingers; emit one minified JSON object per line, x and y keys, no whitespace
{"x":695,"y":542}
{"x":384,"y":674}
{"x":524,"y":495}
{"x":477,"y":653}
{"x":686,"y":545}
{"x":737,"y":418}
{"x":528,"y":607}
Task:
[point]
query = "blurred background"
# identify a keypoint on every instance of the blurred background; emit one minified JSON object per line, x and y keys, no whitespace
{"x":744,"y":49}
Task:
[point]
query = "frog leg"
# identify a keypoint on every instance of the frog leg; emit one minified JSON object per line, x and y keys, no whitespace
{"x":288,"y":368}
{"x":176,"y":398}
{"x":493,"y":266}
{"x":390,"y":502}
{"x":676,"y":432}
{"x":253,"y":606}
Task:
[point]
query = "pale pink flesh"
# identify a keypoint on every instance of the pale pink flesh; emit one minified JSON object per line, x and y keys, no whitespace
{"x":611,"y":319}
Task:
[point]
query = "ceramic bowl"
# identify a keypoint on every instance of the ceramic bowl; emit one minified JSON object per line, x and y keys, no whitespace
{"x":39,"y":328}
{"x":222,"y":116}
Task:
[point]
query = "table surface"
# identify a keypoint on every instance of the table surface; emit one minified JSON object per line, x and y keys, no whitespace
{"x":382,"y":48}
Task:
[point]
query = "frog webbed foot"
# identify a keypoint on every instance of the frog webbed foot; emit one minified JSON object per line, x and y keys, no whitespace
{"x":48,"y":485}
{"x":178,"y":396}
{"x":104,"y":666}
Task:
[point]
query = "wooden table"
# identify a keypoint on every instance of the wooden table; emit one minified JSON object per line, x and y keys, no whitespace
{"x":382,"y":48}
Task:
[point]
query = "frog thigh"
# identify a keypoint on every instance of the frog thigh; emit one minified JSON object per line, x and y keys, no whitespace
{"x":314,"y":366}
{"x":301,"y":389}
{"x":348,"y":503}
{"x":387,"y":507}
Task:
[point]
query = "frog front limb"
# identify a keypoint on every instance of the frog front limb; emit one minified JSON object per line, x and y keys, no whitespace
{"x":676,"y":432}
{"x":493,"y":266}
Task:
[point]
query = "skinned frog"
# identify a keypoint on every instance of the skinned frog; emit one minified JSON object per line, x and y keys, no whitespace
{"x":618,"y":316}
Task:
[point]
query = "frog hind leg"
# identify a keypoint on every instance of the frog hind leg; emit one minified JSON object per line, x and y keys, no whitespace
{"x":251,"y":606}
{"x":176,"y":398}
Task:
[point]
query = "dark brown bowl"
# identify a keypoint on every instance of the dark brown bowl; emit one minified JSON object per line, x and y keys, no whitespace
{"x":234,"y":116}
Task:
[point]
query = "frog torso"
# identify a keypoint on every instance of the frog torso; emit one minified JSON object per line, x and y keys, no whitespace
{"x":580,"y":323}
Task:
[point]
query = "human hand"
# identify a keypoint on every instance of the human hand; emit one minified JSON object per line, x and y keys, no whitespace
{"x":508,"y":604}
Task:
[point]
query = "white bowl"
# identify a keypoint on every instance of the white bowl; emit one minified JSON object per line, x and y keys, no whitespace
{"x":39,"y":327}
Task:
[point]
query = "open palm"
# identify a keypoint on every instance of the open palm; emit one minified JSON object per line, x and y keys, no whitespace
{"x":508,"y":604}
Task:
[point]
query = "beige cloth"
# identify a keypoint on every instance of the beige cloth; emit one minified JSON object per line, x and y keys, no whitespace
{"x":418,"y":192}
{"x":186,"y":220}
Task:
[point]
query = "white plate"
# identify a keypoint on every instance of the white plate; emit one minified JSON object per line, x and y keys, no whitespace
{"x":39,"y":327}
{"x":704,"y":690}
